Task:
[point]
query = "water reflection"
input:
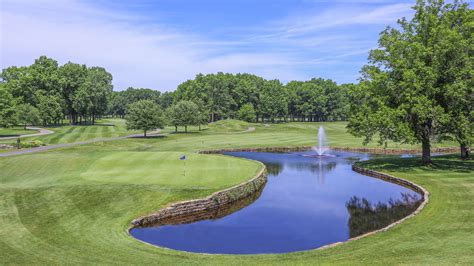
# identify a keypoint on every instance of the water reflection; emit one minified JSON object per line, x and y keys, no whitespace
{"x":274,"y":169}
{"x":367,"y":217}
{"x":304,"y":205}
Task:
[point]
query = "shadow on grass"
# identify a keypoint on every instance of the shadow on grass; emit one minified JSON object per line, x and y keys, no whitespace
{"x":148,"y":137}
{"x":450,"y":163}
{"x":8,"y":136}
{"x":185,"y":133}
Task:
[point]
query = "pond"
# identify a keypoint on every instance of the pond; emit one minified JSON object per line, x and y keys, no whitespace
{"x":307,"y":203}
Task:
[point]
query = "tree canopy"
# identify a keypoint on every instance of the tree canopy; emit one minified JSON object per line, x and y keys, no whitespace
{"x":80,"y":92}
{"x":402,"y":95}
{"x":184,"y":113}
{"x":144,"y":115}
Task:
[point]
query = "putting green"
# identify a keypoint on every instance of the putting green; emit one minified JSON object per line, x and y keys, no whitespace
{"x":166,"y":168}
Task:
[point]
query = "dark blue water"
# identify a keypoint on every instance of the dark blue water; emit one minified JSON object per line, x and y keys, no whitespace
{"x":307,"y":203}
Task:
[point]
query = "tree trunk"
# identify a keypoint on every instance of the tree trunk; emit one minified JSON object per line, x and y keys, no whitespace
{"x":199,"y":127}
{"x":144,"y":134}
{"x":176,"y":129}
{"x":426,"y":152}
{"x":185,"y":129}
{"x":465,"y":152}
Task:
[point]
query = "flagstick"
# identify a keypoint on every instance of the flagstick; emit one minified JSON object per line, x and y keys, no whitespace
{"x":184,"y":168}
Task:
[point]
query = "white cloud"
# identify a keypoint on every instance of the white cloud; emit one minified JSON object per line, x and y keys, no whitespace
{"x":140,"y":53}
{"x":141,"y":56}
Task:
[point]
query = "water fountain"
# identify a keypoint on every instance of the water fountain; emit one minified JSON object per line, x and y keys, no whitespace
{"x":322,"y":147}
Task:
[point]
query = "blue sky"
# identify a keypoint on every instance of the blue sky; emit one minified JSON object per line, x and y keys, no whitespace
{"x":159,"y":44}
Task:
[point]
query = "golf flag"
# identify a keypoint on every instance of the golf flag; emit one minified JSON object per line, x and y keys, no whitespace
{"x":182,"y":157}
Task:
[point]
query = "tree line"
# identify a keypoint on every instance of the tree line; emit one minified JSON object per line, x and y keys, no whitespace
{"x":247,"y":97}
{"x":225,"y":95}
{"x":416,"y":88}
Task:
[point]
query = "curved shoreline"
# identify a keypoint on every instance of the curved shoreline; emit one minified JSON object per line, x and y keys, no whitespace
{"x":210,"y":202}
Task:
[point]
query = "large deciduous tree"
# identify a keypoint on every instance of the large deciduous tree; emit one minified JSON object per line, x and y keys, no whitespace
{"x":144,"y":115}
{"x":90,"y":100}
{"x":455,"y":52}
{"x":26,"y":115}
{"x":402,"y":92}
{"x":184,"y":113}
{"x":72,"y":78}
{"x":50,"y":110}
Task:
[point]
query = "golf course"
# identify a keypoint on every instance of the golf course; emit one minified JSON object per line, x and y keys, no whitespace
{"x":236,"y":132}
{"x":74,"y":205}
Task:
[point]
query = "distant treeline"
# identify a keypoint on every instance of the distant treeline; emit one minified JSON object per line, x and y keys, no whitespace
{"x":225,"y":95}
{"x":47,"y":93}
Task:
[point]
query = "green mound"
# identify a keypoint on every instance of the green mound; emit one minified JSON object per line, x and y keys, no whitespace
{"x":229,"y":125}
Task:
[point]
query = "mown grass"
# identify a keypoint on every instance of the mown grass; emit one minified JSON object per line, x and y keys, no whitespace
{"x":14,"y":131}
{"x":73,"y":206}
{"x":264,"y":135}
{"x":64,"y":206}
{"x":105,"y":128}
{"x":234,"y":134}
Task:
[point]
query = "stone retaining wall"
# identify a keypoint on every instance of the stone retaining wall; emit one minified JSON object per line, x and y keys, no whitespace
{"x":194,"y":210}
{"x":307,"y":148}
{"x":395,"y":151}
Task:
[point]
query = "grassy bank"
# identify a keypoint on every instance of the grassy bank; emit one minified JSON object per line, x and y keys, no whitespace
{"x":72,"y":206}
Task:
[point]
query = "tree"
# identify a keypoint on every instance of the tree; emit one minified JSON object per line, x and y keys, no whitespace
{"x":7,"y":107}
{"x":273,"y":101}
{"x":455,"y":53}
{"x":72,"y":77}
{"x":247,"y":113}
{"x":203,"y":115}
{"x":401,"y":95}
{"x":50,"y":110}
{"x":26,"y":114}
{"x":183,"y":113}
{"x":144,"y":115}
{"x":90,"y":100}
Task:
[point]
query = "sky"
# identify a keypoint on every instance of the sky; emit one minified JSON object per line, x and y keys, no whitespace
{"x":159,"y":44}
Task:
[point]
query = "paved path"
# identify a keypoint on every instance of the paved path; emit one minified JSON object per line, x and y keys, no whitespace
{"x":64,"y":145}
{"x":41,"y":131}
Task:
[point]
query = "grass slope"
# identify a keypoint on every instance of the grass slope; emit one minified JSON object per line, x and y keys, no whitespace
{"x":106,"y":128}
{"x":73,"y":205}
{"x":66,"y":207}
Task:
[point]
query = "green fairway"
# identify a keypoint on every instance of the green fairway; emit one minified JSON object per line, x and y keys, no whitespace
{"x":234,"y":134}
{"x":106,"y":128}
{"x":74,"y":205}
